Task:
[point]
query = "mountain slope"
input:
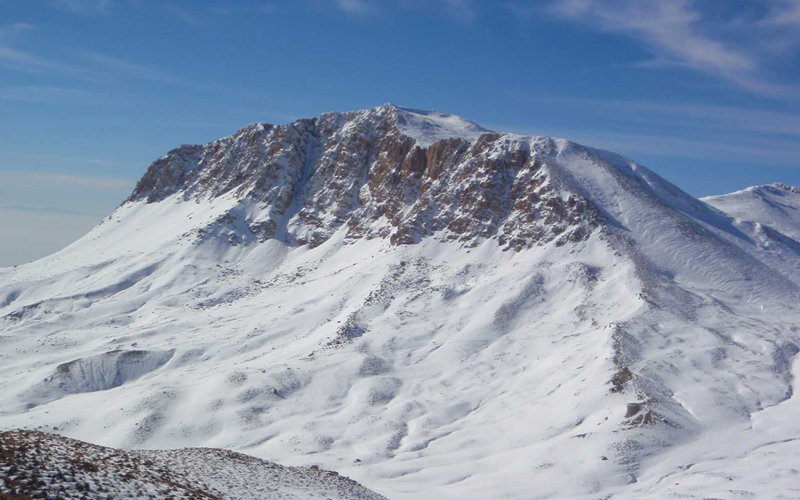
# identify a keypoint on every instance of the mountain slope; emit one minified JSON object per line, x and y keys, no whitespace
{"x":433,"y":309}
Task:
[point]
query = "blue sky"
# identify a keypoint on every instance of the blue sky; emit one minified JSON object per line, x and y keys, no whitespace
{"x":704,"y":92}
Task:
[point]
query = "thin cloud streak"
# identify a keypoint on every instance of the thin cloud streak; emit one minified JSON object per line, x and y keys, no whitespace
{"x":761,"y":152}
{"x":75,"y":180}
{"x":52,"y":210}
{"x":460,"y":10}
{"x":27,"y":61}
{"x":118,"y":66}
{"x":184,"y":15}
{"x":783,"y":153}
{"x":785,"y":13}
{"x":677,"y":32}
{"x":721,"y":118}
{"x":359,"y":7}
{"x":13,"y":29}
{"x":95,"y":68}
{"x":48,"y":95}
{"x":28,"y":158}
{"x":83,"y":6}
{"x":229,"y":10}
{"x":24,"y":61}
{"x":463,"y":10}
{"x":205,"y":16}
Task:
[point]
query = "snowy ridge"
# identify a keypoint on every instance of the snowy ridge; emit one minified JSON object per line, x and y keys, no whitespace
{"x":428,"y":127}
{"x":776,"y":205}
{"x":474,"y":317}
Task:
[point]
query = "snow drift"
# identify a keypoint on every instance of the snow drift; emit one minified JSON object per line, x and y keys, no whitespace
{"x":99,"y":373}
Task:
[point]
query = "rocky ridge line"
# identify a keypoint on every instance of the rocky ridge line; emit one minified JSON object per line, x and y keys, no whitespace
{"x":363,"y":170}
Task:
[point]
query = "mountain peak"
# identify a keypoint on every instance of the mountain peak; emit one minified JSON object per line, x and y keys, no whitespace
{"x":425,"y":127}
{"x":773,"y":187}
{"x":784,"y":187}
{"x":389,"y":171}
{"x":428,"y":127}
{"x":774,"y":205}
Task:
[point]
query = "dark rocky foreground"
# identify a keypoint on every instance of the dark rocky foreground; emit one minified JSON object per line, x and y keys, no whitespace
{"x":40,"y":465}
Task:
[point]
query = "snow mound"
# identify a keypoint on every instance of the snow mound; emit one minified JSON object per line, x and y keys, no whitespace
{"x":100,"y":372}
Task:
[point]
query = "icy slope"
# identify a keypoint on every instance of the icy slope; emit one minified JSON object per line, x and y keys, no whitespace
{"x":476,"y":317}
{"x":40,"y":465}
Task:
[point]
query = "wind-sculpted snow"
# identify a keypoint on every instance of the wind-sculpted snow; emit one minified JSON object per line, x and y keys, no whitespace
{"x":481,"y":316}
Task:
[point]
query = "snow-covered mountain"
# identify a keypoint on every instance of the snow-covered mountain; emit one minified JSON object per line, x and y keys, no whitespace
{"x":431,"y":308}
{"x":776,"y":205}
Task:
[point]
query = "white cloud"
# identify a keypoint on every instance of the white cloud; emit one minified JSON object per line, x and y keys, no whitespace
{"x":355,"y":6}
{"x":679,"y":32}
{"x":83,"y":6}
{"x":463,"y":10}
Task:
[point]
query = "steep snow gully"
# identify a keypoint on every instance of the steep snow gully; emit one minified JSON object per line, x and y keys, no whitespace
{"x":429,"y":307}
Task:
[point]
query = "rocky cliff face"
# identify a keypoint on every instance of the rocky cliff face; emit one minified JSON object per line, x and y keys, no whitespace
{"x":374,"y":172}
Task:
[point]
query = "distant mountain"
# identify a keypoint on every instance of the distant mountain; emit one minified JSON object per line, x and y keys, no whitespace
{"x":40,"y":465}
{"x":776,"y":205}
{"x":434,"y":309}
